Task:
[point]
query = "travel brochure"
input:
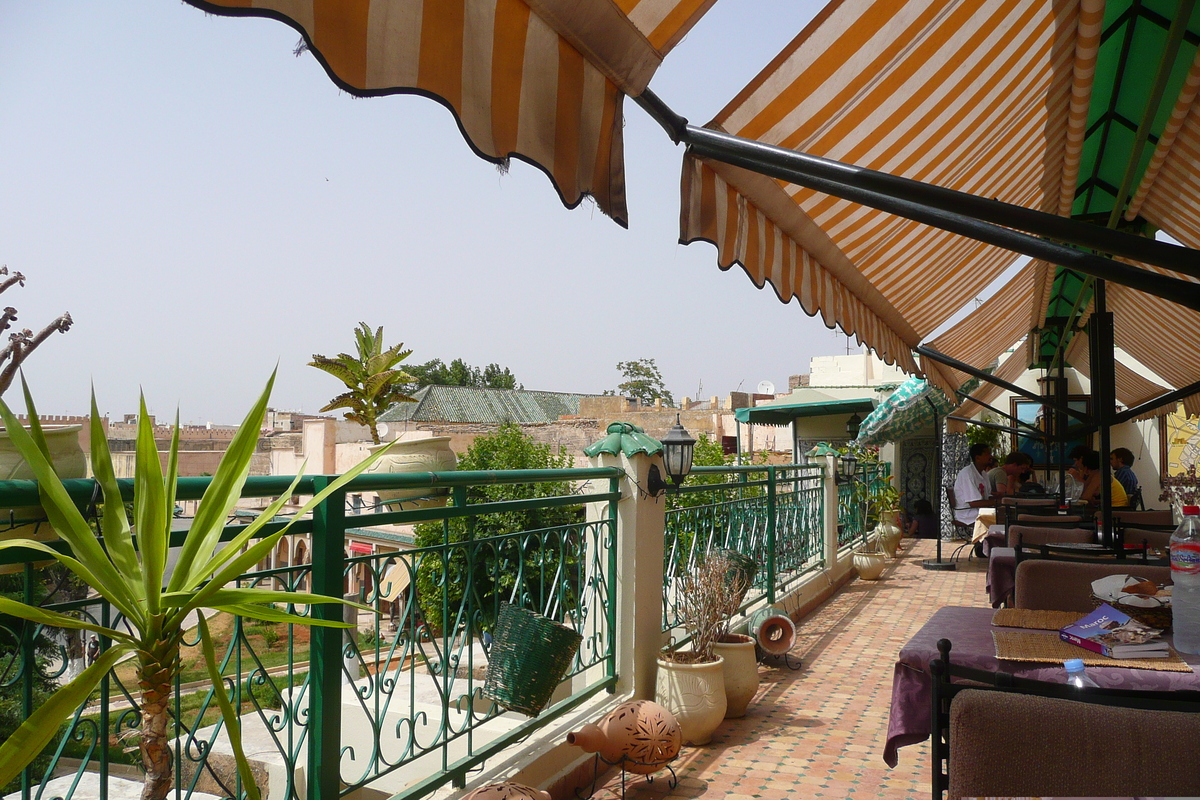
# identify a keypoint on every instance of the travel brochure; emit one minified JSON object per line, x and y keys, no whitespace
{"x":1110,"y":632}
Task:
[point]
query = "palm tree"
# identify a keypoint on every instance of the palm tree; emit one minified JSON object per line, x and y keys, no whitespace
{"x":127,"y":567}
{"x":373,"y":383}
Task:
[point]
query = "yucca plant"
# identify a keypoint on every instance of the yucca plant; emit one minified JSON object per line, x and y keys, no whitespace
{"x":127,"y":568}
{"x":374,"y":385}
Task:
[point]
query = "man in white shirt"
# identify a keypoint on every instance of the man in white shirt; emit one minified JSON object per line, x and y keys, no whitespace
{"x":971,"y":487}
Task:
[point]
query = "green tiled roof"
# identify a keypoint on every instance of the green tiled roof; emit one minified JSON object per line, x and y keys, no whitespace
{"x":468,"y":404}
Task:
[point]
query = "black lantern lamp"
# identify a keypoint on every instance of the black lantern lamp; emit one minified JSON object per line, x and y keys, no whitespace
{"x":849,"y":465}
{"x":677,"y":446}
{"x":852,"y":426}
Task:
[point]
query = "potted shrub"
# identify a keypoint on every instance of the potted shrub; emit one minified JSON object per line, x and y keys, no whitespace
{"x":883,"y":504}
{"x":691,"y":683}
{"x":130,"y":572}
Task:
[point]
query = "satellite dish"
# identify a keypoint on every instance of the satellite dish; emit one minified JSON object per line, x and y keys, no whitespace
{"x":381,"y":429}
{"x":766,"y":387}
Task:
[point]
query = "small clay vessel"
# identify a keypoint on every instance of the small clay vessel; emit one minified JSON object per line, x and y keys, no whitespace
{"x":643,"y":733}
{"x":506,"y":791}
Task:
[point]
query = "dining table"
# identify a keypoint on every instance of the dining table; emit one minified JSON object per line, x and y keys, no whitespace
{"x":970,"y":633}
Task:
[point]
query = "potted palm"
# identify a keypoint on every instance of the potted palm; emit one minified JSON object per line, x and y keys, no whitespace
{"x":128,"y":570}
{"x":883,"y":504}
{"x":691,"y":683}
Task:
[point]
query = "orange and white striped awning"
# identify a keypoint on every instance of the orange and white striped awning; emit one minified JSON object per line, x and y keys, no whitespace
{"x":1131,"y":388}
{"x":1009,"y":370}
{"x":975,"y":97}
{"x":539,"y":80}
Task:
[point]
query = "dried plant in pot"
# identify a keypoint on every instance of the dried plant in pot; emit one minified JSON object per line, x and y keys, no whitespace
{"x":691,"y":683}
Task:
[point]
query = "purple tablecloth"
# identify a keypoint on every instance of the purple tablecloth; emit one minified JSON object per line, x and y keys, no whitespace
{"x":970,"y":632}
{"x":1001,"y":574}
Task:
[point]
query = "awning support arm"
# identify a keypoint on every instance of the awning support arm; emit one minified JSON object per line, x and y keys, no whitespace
{"x":1173,"y":396}
{"x":998,"y":427}
{"x":990,"y":407}
{"x":958,"y":212}
{"x":975,"y":372}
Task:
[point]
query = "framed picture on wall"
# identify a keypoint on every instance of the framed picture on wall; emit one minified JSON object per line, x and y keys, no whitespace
{"x":1179,"y":437}
{"x":1033,"y":413}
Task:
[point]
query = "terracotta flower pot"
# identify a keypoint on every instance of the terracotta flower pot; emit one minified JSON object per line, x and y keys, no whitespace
{"x":641,"y":735}
{"x":695,"y":694}
{"x":740,"y":672}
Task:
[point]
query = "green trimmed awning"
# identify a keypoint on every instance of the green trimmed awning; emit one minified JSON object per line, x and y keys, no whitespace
{"x":784,"y":413}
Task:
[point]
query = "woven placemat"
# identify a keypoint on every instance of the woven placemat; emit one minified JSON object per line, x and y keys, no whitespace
{"x":1025,"y":646}
{"x":1035,"y":619}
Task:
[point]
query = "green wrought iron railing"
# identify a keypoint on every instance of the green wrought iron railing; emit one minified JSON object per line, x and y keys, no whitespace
{"x":774,"y":514}
{"x":854,"y":500}
{"x":397,"y":703}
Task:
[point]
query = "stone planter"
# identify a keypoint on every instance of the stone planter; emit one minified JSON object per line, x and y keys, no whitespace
{"x":432,"y":454}
{"x":869,"y":563}
{"x":740,"y":672}
{"x":69,"y":462}
{"x":695,"y":694}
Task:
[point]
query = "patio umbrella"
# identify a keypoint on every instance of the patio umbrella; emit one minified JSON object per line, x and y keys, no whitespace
{"x":904,"y":412}
{"x":542,"y":81}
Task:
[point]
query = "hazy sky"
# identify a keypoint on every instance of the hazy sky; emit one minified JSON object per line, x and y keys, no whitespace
{"x":206,"y":204}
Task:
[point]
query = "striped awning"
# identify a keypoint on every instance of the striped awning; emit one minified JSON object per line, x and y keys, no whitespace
{"x":1131,"y":388}
{"x":1009,"y":370}
{"x":538,"y":80}
{"x":975,"y":97}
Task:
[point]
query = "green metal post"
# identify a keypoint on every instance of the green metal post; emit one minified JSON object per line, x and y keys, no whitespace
{"x":771,"y":535}
{"x":27,"y":668}
{"x":614,"y":487}
{"x":325,"y":650}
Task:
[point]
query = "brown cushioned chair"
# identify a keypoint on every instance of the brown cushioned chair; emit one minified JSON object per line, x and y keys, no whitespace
{"x":1152,"y":538}
{"x":1030,"y":535}
{"x":1050,"y":585}
{"x":1004,"y":744}
{"x":1159,"y":517}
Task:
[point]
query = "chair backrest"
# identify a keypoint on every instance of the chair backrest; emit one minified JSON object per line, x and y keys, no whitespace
{"x":1069,"y":742}
{"x":1028,"y":501}
{"x":1056,"y":521}
{"x":1159,"y":538}
{"x":1034,"y":535}
{"x":950,"y":498}
{"x":1156,"y":517}
{"x":1136,"y":501}
{"x":1051,"y":585}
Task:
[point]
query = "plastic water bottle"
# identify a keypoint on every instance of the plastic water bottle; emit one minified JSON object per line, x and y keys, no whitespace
{"x":1185,"y":575}
{"x":1076,"y":675}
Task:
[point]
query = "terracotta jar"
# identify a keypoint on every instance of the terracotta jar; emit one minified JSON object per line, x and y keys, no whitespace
{"x":773,"y":630}
{"x":741,"y":672}
{"x":506,"y":791}
{"x":645,"y":734}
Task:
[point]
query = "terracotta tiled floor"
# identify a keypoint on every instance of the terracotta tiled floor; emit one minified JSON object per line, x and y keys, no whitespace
{"x":819,"y":731}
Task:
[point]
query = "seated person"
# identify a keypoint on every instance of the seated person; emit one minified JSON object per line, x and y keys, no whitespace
{"x":924,"y":523}
{"x":1008,"y":478}
{"x":971,"y":487}
{"x":1122,"y":464}
{"x":1091,"y":483}
{"x":1076,"y":455}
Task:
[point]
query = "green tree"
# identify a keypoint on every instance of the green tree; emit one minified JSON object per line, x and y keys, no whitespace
{"x":505,"y":570}
{"x":374,"y":383}
{"x":643,"y":381}
{"x":459,"y":373}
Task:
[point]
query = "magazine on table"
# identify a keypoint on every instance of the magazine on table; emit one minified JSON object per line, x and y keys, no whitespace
{"x":1112,"y":633}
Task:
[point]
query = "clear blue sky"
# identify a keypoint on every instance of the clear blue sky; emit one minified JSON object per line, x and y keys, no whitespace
{"x":205,"y":205}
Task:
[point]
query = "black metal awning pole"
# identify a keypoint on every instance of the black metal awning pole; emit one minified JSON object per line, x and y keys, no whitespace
{"x":975,"y":372}
{"x":937,"y":477}
{"x":1173,"y":396}
{"x":975,"y":217}
{"x":1101,"y":350}
{"x":1035,"y":434}
{"x":989,"y":407}
{"x":1060,"y":427}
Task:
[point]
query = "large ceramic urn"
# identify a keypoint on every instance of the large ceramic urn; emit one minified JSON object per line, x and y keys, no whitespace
{"x":67,"y":457}
{"x":640,"y":735}
{"x":432,"y":454}
{"x":695,"y":694}
{"x":507,"y":791}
